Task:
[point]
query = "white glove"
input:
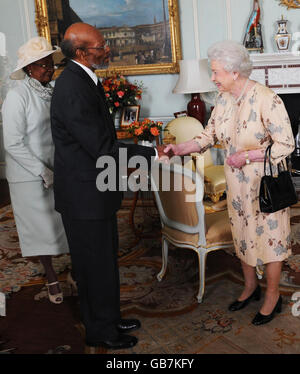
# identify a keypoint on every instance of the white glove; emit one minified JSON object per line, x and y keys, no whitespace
{"x":47,"y":176}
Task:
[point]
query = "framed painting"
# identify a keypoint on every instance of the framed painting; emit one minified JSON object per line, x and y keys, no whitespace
{"x":143,"y":35}
{"x":183,"y":113}
{"x":130,"y":114}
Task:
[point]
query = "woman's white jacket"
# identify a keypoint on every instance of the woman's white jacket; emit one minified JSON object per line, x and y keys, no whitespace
{"x":27,"y":134}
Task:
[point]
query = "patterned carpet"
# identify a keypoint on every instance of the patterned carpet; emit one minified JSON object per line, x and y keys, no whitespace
{"x":172,"y":320}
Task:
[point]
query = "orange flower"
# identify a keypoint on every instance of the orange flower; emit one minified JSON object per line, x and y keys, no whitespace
{"x":138,"y":132}
{"x":154,"y":131}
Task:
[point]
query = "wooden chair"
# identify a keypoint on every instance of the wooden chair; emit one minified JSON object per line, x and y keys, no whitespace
{"x":183,"y":218}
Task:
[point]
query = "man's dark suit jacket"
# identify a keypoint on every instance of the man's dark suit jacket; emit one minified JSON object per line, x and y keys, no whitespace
{"x":83,"y":130}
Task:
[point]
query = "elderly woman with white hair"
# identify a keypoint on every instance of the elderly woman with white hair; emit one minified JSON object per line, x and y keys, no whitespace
{"x":30,"y":156}
{"x":246,"y":119}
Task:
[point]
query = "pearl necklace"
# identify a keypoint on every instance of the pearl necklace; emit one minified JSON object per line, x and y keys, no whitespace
{"x":242,"y":93}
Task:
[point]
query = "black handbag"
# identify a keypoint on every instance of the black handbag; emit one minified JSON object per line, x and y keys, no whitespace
{"x":276,"y":192}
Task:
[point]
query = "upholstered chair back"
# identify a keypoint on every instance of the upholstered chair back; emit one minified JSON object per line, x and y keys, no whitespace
{"x":186,"y":128}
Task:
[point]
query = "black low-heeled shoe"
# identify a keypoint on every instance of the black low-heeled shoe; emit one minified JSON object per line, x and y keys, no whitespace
{"x":126,"y":325}
{"x":261,"y":319}
{"x":238,"y":305}
{"x":121,"y":342}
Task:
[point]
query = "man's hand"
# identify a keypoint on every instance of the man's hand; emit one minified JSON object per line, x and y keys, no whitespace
{"x":164,"y":154}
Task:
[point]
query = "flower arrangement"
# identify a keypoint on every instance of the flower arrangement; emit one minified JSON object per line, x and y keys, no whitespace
{"x":145,"y":130}
{"x":119,"y":92}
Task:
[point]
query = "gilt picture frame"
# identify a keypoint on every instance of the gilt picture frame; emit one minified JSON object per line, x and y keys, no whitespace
{"x":147,"y":47}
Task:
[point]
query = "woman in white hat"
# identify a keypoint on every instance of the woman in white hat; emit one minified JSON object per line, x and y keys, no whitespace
{"x":29,"y":158}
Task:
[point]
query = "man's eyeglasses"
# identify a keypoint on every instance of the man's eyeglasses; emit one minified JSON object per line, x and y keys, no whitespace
{"x":97,"y":48}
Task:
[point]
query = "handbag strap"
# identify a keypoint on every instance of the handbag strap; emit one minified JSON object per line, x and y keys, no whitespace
{"x":268,"y":155}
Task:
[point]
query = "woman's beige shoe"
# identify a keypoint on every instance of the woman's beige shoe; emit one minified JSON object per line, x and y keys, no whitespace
{"x":56,"y":298}
{"x":72,"y":283}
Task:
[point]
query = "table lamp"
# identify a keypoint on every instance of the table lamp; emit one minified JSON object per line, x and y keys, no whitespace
{"x":194,"y":79}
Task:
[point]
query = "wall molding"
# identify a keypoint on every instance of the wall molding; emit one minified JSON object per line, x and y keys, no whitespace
{"x":196,"y":29}
{"x":229,"y":19}
{"x":25,"y":19}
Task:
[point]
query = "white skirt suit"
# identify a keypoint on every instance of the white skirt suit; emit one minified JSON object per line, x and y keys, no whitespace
{"x":29,"y":151}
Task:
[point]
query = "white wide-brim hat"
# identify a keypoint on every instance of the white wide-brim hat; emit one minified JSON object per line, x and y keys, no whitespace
{"x":34,"y":50}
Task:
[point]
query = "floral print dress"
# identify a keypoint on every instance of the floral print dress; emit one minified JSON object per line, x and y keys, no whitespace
{"x":258,"y":120}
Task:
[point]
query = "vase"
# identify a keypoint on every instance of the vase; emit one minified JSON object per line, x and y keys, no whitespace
{"x":116,"y":116}
{"x":282,"y":37}
{"x":145,"y":143}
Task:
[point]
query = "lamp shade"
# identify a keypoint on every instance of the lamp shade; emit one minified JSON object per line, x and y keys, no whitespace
{"x":194,"y":77}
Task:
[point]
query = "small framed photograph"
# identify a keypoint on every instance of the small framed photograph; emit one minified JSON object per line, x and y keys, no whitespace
{"x":180,"y":114}
{"x":130,"y":114}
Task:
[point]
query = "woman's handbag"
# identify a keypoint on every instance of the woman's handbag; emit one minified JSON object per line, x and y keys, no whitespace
{"x":276,"y":192}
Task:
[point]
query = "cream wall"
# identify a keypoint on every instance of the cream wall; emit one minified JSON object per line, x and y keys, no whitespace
{"x":216,"y":20}
{"x":202,"y":23}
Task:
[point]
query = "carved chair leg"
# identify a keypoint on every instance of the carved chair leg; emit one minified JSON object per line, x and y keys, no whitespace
{"x":165,"y":247}
{"x":202,"y":263}
{"x":216,"y":197}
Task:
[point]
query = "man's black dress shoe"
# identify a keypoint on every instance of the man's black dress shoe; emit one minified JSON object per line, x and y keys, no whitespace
{"x":237,"y":305}
{"x":121,"y":342}
{"x":261,"y":319}
{"x":126,"y":325}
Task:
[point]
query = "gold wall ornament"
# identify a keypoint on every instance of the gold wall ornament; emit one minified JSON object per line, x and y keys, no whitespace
{"x":290,"y":4}
{"x":41,"y":19}
{"x":49,"y":16}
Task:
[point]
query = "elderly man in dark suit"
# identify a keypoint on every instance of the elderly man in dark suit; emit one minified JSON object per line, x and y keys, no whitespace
{"x":83,"y":131}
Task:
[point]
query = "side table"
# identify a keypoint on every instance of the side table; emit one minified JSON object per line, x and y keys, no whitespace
{"x":123,"y":134}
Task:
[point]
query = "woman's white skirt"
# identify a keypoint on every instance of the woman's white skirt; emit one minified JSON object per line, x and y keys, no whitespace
{"x":39,"y":226}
